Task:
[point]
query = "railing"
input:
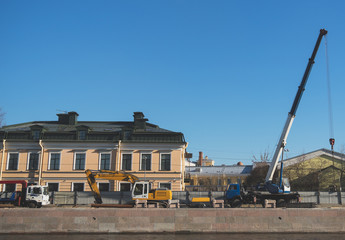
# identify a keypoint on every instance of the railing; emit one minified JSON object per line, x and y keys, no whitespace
{"x":85,"y":198}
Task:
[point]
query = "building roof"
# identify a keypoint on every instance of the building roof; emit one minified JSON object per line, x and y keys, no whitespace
{"x":233,"y":170}
{"x":67,"y":128}
{"x":311,"y":155}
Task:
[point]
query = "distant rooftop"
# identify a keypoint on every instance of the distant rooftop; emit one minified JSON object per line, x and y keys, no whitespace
{"x":232,"y":170}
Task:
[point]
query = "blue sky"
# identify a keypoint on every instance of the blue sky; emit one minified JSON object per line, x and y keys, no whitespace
{"x":224,"y":73}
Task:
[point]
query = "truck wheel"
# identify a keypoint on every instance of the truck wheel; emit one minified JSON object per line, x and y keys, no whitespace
{"x":202,"y":205}
{"x":236,"y":203}
{"x":32,"y":205}
{"x":39,"y":205}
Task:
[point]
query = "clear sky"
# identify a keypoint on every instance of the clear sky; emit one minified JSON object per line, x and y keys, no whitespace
{"x":224,"y":73}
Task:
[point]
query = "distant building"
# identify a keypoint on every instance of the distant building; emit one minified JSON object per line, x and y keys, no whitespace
{"x":204,"y":161}
{"x":58,"y":152}
{"x":319,"y":170}
{"x":213,"y":176}
{"x":189,"y":163}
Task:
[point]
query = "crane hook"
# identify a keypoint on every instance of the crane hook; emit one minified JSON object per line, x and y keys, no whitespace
{"x":332,"y":141}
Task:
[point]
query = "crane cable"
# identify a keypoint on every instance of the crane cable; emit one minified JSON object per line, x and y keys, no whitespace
{"x":330,"y":112}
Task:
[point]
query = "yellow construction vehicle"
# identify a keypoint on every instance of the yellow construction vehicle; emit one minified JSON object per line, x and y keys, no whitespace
{"x":140,"y":190}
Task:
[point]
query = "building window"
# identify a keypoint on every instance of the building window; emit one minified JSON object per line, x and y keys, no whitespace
{"x":104,"y":187}
{"x":79,"y":162}
{"x":36,"y":134}
{"x":105,"y":161}
{"x":53,"y":187}
{"x":33,"y":161}
{"x":165,"y":162}
{"x":125,"y":187}
{"x":10,"y":187}
{"x":54,"y":161}
{"x":78,"y":187}
{"x":82,"y":135}
{"x":145,"y":162}
{"x":12,"y":163}
{"x":126,"y":162}
{"x":165,"y":185}
{"x":127,"y":135}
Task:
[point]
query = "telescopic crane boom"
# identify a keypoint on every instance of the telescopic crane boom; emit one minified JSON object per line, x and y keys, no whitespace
{"x":282,"y":141}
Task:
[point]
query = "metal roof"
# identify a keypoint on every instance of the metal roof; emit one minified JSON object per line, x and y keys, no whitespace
{"x":233,"y":170}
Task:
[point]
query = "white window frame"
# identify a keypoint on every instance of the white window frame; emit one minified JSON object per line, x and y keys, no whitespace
{"x":160,"y":161}
{"x":75,"y":160}
{"x":104,"y":182}
{"x":50,"y":154}
{"x":100,"y":159}
{"x":159,"y":184}
{"x":141,"y":158}
{"x":28,"y":161}
{"x":56,"y":183}
{"x":78,"y":182}
{"x":8,"y":160}
{"x":130,"y":153}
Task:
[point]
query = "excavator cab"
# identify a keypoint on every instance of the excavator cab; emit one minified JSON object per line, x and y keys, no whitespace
{"x":140,"y":190}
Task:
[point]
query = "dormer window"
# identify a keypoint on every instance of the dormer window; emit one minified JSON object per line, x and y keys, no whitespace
{"x":36,"y":135}
{"x":82,"y":135}
{"x":36,"y":131}
{"x":82,"y":132}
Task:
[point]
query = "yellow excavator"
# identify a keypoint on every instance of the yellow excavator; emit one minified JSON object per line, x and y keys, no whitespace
{"x":140,"y":189}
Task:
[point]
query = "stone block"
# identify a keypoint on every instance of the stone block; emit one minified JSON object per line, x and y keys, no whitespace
{"x":164,"y":227}
{"x":107,"y":227}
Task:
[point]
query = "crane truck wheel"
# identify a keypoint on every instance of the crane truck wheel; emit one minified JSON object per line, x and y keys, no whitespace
{"x":237,"y":203}
{"x":32,"y":205}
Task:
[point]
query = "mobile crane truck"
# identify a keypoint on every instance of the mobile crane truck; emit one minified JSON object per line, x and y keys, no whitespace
{"x":33,"y":196}
{"x":140,"y":190}
{"x":235,"y":195}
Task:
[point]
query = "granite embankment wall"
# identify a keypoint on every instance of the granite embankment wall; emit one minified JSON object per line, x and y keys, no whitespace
{"x":76,"y":220}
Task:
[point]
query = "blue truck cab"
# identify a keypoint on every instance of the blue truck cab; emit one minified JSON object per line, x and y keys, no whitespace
{"x":234,"y":195}
{"x":233,"y":191}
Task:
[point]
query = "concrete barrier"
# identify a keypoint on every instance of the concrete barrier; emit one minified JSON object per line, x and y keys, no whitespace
{"x":89,"y":220}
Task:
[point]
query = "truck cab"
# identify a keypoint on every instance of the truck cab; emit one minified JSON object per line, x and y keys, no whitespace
{"x":37,"y":196}
{"x":234,"y":195}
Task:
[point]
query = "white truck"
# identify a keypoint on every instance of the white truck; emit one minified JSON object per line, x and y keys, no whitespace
{"x":33,"y":196}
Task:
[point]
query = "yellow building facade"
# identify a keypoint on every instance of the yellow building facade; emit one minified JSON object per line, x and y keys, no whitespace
{"x":320,"y":170}
{"x":57,"y":153}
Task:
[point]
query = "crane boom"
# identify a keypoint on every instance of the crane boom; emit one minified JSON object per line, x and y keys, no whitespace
{"x":291,"y":116}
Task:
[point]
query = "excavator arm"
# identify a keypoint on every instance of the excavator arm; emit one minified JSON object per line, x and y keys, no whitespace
{"x":108,"y":175}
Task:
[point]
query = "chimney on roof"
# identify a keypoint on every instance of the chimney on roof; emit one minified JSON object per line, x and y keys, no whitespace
{"x":70,"y":118}
{"x":73,"y":118}
{"x":201,"y":157}
{"x":139,"y":120}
